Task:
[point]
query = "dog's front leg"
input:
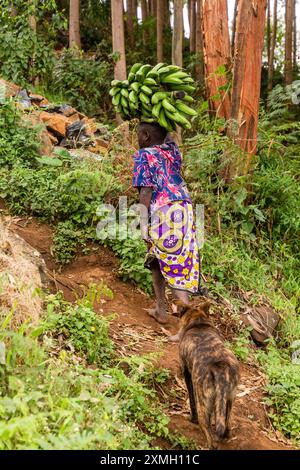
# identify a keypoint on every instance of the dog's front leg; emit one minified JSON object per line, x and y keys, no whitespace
{"x":189,"y":385}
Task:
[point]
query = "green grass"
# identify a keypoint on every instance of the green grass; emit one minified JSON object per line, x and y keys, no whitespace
{"x":62,"y":385}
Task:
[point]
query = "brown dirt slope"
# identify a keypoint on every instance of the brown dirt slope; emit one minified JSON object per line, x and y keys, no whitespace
{"x":136,"y":333}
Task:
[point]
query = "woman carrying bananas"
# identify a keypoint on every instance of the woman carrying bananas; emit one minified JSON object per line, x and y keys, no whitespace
{"x":173,"y":253}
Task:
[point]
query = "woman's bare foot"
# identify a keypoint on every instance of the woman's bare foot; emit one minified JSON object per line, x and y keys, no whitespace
{"x":159,"y":313}
{"x":174,"y":338}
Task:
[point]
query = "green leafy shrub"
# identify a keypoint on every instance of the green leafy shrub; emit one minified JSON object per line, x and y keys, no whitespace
{"x":82,"y":327}
{"x":19,"y":144}
{"x":283,"y":389}
{"x":83,"y":81}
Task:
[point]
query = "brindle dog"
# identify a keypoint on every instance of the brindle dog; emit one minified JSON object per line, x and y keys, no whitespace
{"x":210,"y":370}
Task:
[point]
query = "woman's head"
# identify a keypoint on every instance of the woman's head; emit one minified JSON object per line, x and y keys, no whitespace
{"x":151,"y":134}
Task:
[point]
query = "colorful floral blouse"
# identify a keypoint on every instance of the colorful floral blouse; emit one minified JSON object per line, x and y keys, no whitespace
{"x":158,"y":167}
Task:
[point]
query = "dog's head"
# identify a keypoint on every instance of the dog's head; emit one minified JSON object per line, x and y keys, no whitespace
{"x":190,"y":312}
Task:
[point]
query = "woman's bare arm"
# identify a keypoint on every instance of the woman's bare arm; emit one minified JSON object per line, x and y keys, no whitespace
{"x":145,"y":199}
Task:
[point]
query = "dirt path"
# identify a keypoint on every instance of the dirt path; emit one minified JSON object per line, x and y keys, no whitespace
{"x":135,"y":332}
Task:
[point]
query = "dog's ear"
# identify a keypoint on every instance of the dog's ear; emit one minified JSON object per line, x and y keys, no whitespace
{"x":179,"y":308}
{"x":205,"y":307}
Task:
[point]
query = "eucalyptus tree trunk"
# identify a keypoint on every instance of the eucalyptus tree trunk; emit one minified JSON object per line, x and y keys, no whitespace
{"x":145,"y":14}
{"x":288,"y":67}
{"x":200,"y":75}
{"x":74,"y":24}
{"x":160,"y":30}
{"x":177,"y":39}
{"x":236,"y":4}
{"x":130,"y":23}
{"x":217,"y":55}
{"x":192,"y":23}
{"x":246,"y":86}
{"x":118,"y":41}
{"x":272,"y":48}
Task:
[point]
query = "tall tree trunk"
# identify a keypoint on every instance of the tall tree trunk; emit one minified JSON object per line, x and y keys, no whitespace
{"x":145,"y":14}
{"x":192,"y":22}
{"x":118,"y":41}
{"x":236,"y":4}
{"x":216,"y":55}
{"x":177,"y":33}
{"x":288,"y":68}
{"x":74,"y":24}
{"x":200,"y":75}
{"x":247,"y":80}
{"x":295,"y":37}
{"x":160,"y":30}
{"x":152,"y":7}
{"x":269,"y":31}
{"x":272,"y":49}
{"x":177,"y":42}
{"x":130,"y":23}
{"x":134,"y":8}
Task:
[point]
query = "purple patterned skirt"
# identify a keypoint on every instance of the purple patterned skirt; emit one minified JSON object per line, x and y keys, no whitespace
{"x":172,"y":233}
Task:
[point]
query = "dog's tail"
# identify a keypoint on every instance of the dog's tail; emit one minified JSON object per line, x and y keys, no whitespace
{"x":223,"y":398}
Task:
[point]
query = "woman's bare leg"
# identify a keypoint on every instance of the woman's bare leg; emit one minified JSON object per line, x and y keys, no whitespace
{"x":159,"y":284}
{"x":184,"y":297}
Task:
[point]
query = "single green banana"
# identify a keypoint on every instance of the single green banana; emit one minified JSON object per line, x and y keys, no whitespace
{"x":147,"y":119}
{"x":145,"y":89}
{"x":135,"y":86}
{"x":144,"y":98}
{"x":114,"y":91}
{"x":146,"y":110}
{"x":171,"y":79}
{"x":141,"y":74}
{"x":150,"y":81}
{"x":188,"y":99}
{"x":133,"y":97}
{"x":162,"y":121}
{"x":158,"y":96}
{"x":168,"y":106}
{"x":131,"y":77}
{"x":124,"y":92}
{"x":157,"y":67}
{"x":163,"y":70}
{"x":124,"y":102}
{"x":135,"y":67}
{"x":177,"y":117}
{"x":116,"y":83}
{"x":116,"y":99}
{"x":156,"y":109}
{"x":183,"y":108}
{"x":188,"y":80}
{"x":183,"y":87}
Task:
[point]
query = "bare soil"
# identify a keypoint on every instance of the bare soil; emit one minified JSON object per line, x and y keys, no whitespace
{"x":134,"y":332}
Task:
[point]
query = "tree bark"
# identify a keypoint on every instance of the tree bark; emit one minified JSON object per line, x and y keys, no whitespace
{"x":269,"y":31}
{"x":118,"y":42}
{"x":272,"y":49}
{"x":160,"y":30}
{"x":295,"y":37}
{"x":192,"y":23}
{"x":200,"y":75}
{"x":216,"y":55}
{"x":288,"y":68}
{"x":130,"y":23}
{"x":177,"y":33}
{"x":236,"y":4}
{"x":247,"y":80}
{"x":145,"y":14}
{"x":152,"y":7}
{"x":74,"y":24}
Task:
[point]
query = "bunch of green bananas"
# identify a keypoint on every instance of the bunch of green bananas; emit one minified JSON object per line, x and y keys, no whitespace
{"x":155,"y":94}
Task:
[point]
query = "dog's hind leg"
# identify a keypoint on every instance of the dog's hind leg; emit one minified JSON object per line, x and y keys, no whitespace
{"x":189,"y":385}
{"x":227,"y":422}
